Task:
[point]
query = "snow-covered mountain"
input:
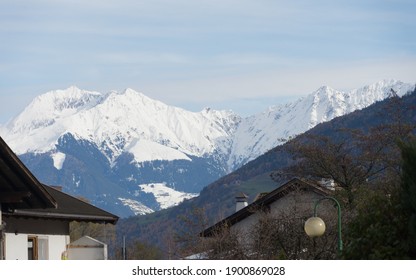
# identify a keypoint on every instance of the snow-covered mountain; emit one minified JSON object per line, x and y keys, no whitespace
{"x":72,"y":137}
{"x":120,"y":122}
{"x":111,"y":147}
{"x":257,"y":134}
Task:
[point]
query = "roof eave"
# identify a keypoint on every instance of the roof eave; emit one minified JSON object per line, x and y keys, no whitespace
{"x":71,"y":217}
{"x":40,"y":198}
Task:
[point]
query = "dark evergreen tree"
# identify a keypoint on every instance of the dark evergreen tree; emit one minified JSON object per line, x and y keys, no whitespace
{"x":385,"y":224}
{"x":408,"y":197}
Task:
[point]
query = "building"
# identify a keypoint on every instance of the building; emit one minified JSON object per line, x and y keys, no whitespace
{"x":87,"y":248}
{"x":35,"y":218}
{"x":296,"y":192}
{"x":291,"y":203}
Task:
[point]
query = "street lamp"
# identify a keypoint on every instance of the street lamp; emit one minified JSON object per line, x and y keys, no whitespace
{"x":315,"y":226}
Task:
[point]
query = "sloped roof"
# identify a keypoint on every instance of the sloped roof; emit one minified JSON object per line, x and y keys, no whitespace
{"x":68,"y":208}
{"x":264,"y":201}
{"x":18,"y":186}
{"x":86,"y":241}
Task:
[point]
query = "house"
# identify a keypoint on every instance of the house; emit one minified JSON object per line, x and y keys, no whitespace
{"x":87,"y":248}
{"x":291,"y":203}
{"x":35,"y":218}
{"x":44,"y":233}
{"x":296,"y":192}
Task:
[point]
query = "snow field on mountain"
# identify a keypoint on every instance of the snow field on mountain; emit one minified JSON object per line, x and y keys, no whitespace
{"x":165,"y":196}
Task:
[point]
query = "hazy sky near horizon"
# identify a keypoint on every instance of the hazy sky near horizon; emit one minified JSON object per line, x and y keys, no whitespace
{"x":242,"y":55}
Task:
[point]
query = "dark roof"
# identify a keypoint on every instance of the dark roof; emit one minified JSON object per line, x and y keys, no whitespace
{"x":264,"y":201}
{"x":260,"y":195}
{"x":18,"y":187}
{"x":241,"y":195}
{"x":68,"y":208}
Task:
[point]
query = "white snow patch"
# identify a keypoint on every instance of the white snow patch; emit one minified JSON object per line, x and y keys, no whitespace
{"x":58,"y":160}
{"x":75,"y":181}
{"x":137,"y":207}
{"x":144,"y":150}
{"x":131,"y":178}
{"x":165,"y":195}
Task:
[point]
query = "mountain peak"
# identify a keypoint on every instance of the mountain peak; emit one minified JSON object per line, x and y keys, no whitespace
{"x":131,"y":91}
{"x":324,"y":88}
{"x":51,"y":106}
{"x":73,"y":88}
{"x":139,"y":97}
{"x":386,"y":83}
{"x":65,"y":95}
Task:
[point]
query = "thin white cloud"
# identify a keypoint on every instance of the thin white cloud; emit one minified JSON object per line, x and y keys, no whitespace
{"x":131,"y":57}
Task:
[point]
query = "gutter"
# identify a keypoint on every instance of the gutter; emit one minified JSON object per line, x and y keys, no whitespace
{"x":77,"y":217}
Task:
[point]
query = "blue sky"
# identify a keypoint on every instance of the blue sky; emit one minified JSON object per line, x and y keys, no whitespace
{"x":242,"y":55}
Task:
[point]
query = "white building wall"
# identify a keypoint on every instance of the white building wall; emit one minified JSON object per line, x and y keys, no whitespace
{"x":16,"y":245}
{"x":295,"y":204}
{"x":59,"y":243}
{"x":243,"y":227}
{"x":87,"y":248}
{"x":87,"y":253}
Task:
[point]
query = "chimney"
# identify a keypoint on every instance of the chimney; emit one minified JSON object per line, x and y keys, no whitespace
{"x":241,"y":201}
{"x":327,"y":183}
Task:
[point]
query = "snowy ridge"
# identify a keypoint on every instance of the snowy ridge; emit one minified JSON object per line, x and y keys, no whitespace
{"x":137,"y":207}
{"x":47,"y":108}
{"x":259,"y":133}
{"x":116,"y":122}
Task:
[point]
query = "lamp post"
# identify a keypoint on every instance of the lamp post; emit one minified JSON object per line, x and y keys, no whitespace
{"x":315,"y":226}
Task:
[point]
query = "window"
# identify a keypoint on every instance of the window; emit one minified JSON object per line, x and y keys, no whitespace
{"x":32,"y":253}
{"x":37,"y":248}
